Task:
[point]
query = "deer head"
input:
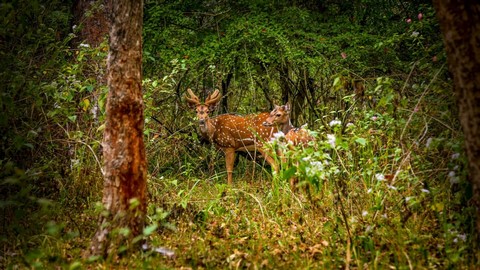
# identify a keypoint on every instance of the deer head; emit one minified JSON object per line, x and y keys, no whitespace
{"x":203,"y":109}
{"x":280,"y":117}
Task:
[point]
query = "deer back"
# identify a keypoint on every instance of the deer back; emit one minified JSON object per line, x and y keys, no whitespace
{"x":298,"y":136}
{"x":235,"y":131}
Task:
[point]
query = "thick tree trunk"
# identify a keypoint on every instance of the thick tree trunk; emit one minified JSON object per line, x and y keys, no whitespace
{"x":460,"y":25}
{"x":124,"y":194}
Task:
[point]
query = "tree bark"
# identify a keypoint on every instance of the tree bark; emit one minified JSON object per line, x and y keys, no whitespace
{"x":124,"y":193}
{"x":92,"y":18}
{"x":460,"y":24}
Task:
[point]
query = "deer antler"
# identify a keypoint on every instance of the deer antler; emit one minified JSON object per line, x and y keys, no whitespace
{"x":213,"y":98}
{"x":194,"y":100}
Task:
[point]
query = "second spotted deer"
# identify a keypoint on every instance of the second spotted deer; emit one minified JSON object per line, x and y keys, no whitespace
{"x":280,"y":118}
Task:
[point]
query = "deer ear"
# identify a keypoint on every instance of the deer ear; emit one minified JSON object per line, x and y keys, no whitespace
{"x":213,"y":106}
{"x":286,"y":107}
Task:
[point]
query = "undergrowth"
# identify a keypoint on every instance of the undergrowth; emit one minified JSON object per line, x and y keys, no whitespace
{"x":369,"y":196}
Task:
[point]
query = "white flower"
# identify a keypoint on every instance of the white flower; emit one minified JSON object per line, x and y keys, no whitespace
{"x":364,"y":213}
{"x":74,"y":163}
{"x":429,"y":141}
{"x":277,"y":136}
{"x":74,"y":27}
{"x":456,"y":155}
{"x":306,"y":158}
{"x":425,"y":190}
{"x":415,"y":34}
{"x":391,"y":187}
{"x":331,"y":139}
{"x":380,"y":177}
{"x":407,"y":199}
{"x":84,"y":45}
{"x":317,"y":165}
{"x":350,"y":124}
{"x":454,"y":180}
{"x":384,"y":216}
{"x":369,"y":191}
{"x":315,"y":168}
{"x":462,"y":237}
{"x":335,"y":123}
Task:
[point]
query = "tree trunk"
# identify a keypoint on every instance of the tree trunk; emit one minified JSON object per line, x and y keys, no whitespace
{"x":460,"y":25}
{"x":92,"y":18}
{"x":225,"y":86}
{"x":124,"y":193}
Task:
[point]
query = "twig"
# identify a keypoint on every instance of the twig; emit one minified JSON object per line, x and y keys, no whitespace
{"x":419,"y":100}
{"x":255,"y":198}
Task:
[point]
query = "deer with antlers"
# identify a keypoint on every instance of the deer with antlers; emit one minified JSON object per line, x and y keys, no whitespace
{"x":230,"y":132}
{"x":280,"y":117}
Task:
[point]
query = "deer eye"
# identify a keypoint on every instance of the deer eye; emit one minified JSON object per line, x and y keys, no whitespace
{"x":278,"y":115}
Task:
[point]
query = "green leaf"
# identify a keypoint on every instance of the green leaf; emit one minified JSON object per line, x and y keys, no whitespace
{"x":72,"y":118}
{"x":75,"y":265}
{"x":150,"y":229}
{"x":289,"y":173}
{"x":124,"y":231}
{"x":336,"y":82}
{"x":101,"y":128}
{"x":361,"y":141}
{"x":134,"y":203}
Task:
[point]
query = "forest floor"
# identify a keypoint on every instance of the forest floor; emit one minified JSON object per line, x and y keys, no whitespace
{"x":256,"y":223}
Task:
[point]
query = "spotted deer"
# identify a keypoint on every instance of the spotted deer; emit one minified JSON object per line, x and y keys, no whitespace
{"x":280,"y":118}
{"x":230,"y":132}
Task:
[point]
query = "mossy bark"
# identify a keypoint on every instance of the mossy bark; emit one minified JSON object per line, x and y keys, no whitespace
{"x":460,"y":24}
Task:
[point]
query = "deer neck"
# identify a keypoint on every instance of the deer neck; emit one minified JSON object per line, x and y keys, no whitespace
{"x":207,"y":129}
{"x":286,"y":127}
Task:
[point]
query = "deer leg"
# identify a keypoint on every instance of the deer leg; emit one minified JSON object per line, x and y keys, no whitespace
{"x":293,"y":183}
{"x":269,"y":159}
{"x":229,"y":160}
